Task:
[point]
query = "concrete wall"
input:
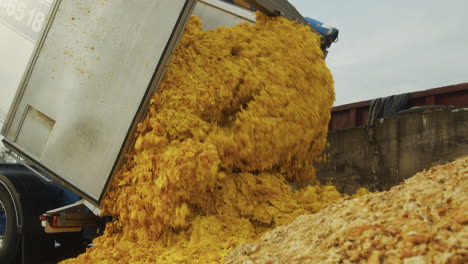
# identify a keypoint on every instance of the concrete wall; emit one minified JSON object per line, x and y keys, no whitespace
{"x":395,"y":149}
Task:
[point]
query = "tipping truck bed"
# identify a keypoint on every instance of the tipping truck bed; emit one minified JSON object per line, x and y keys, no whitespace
{"x":90,"y":80}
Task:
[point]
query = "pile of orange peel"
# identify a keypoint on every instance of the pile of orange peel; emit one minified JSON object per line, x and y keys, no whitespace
{"x":241,"y":116}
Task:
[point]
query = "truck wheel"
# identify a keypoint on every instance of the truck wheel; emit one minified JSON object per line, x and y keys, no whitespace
{"x":9,"y":233}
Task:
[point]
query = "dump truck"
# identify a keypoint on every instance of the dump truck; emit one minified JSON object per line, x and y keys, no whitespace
{"x":88,"y":84}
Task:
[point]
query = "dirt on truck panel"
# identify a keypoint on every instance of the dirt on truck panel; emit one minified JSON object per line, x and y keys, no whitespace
{"x":241,"y":113}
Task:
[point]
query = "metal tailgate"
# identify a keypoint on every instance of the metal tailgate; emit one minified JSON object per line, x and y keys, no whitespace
{"x":88,"y":83}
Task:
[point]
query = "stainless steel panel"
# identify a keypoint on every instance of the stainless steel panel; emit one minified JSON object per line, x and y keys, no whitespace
{"x":25,"y":17}
{"x":92,"y":74}
{"x":215,"y":13}
{"x":94,"y":65}
{"x":278,"y":7}
{"x":35,"y":131}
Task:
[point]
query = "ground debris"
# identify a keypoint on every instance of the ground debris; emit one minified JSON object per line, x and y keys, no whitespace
{"x":423,"y":220}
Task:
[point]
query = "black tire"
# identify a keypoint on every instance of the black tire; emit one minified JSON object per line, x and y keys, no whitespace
{"x":11,"y":240}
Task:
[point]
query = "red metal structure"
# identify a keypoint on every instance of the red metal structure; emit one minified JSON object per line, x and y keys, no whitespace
{"x":356,"y":114}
